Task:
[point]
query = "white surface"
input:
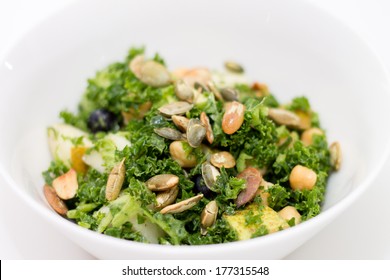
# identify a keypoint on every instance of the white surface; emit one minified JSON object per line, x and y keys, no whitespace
{"x":345,"y":238}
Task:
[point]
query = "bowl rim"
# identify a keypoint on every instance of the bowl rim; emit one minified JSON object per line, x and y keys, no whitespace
{"x":320,"y":220}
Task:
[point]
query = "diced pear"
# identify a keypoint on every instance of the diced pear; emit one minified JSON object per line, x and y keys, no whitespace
{"x":62,"y":138}
{"x":102,"y":157}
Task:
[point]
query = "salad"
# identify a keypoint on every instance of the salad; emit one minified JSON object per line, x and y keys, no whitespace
{"x":187,"y":157}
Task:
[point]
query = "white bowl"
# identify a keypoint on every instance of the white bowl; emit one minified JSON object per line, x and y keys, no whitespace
{"x":295,"y":48}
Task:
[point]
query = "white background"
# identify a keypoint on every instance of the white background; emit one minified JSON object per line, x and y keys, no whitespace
{"x":362,"y":232}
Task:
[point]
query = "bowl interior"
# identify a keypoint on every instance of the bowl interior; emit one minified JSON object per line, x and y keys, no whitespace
{"x":295,"y":48}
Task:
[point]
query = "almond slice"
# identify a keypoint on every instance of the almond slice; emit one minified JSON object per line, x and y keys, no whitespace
{"x":66,"y":185}
{"x":54,"y":201}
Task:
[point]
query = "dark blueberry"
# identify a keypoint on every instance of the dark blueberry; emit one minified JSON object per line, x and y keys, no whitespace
{"x":102,"y":120}
{"x":200,"y":186}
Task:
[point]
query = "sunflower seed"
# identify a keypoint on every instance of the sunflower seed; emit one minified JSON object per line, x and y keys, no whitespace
{"x":115,"y":181}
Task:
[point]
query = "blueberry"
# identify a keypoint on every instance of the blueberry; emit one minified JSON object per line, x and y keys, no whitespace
{"x":102,"y":120}
{"x":200,"y":187}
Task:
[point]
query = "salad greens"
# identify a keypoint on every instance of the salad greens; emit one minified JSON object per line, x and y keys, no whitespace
{"x":113,"y":145}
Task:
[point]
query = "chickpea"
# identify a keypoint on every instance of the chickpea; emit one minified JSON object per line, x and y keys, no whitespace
{"x":290,"y":212}
{"x":302,"y":178}
{"x":184,"y":158}
{"x":307,"y":135}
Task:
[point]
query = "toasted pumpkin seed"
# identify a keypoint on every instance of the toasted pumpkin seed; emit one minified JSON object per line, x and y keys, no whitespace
{"x":54,"y":200}
{"x":180,"y":122}
{"x":154,"y":74}
{"x":335,"y":155}
{"x":208,"y":216}
{"x":196,"y":132}
{"x":162,"y":182}
{"x":283,"y":117}
{"x":209,"y":130}
{"x":223,"y":159}
{"x":210,"y":175}
{"x":234,"y":67}
{"x":115,"y":181}
{"x":229,"y":94}
{"x":184,"y":91}
{"x":182,"y":205}
{"x":175,"y":108}
{"x":215,"y":91}
{"x":166,"y":198}
{"x":169,"y":133}
{"x":136,"y":64}
{"x":201,"y":87}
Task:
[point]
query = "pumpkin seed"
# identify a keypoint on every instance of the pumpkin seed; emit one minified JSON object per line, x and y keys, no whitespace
{"x":136,"y":64}
{"x":335,"y":155}
{"x":175,"y":108}
{"x":229,"y":94}
{"x":166,"y":198}
{"x":215,"y":91}
{"x":154,"y":74}
{"x":210,"y":175}
{"x":115,"y":181}
{"x":234,"y":67}
{"x":209,"y":130}
{"x":180,"y":122}
{"x":283,"y":117}
{"x":184,"y":91}
{"x":201,"y":87}
{"x":223,"y":159}
{"x":162,"y":182}
{"x":208,"y":216}
{"x":182,"y":205}
{"x":195,"y":133}
{"x":169,"y":133}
